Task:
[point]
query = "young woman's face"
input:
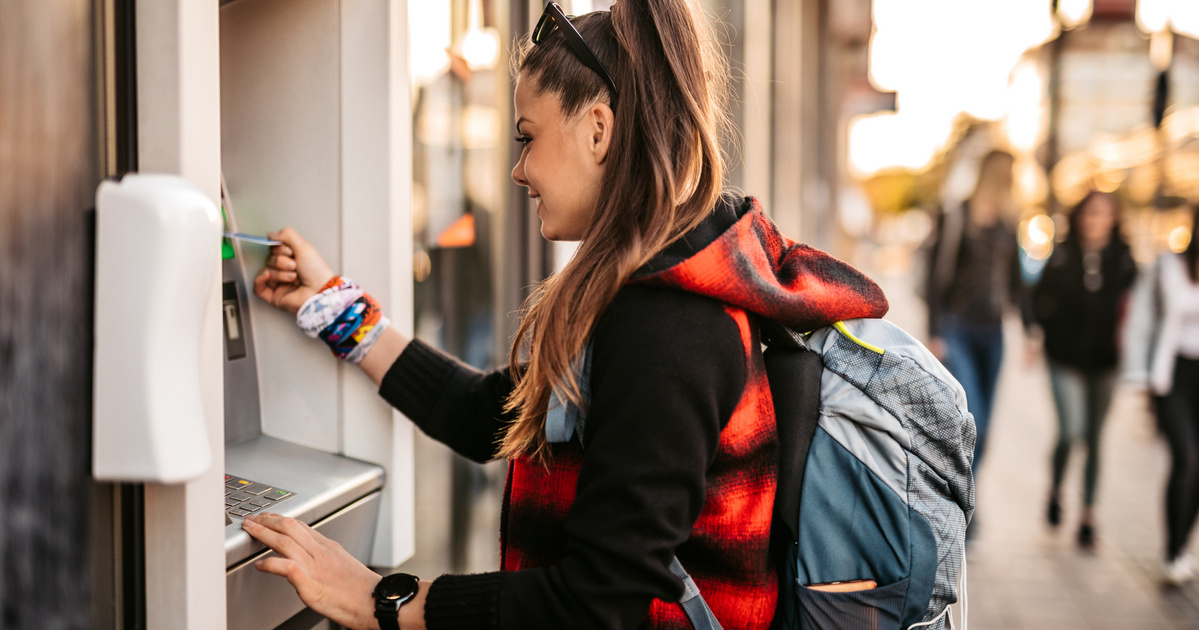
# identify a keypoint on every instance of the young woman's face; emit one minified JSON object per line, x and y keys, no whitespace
{"x":562,"y":163}
{"x":1097,"y":220}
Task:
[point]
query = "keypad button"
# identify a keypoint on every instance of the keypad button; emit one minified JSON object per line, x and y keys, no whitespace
{"x":246,"y":497}
{"x":277,"y":495}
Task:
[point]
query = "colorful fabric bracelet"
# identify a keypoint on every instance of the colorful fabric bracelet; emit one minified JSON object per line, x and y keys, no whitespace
{"x":345,"y":317}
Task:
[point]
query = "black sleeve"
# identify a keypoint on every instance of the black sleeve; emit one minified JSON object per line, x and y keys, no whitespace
{"x":1049,"y":288}
{"x":668,"y":369}
{"x":452,"y":402}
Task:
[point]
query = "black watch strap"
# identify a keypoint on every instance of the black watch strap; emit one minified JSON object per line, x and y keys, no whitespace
{"x":388,"y":621}
{"x":390,"y":594}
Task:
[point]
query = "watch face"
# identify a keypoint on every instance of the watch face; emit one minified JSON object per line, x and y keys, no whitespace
{"x":398,"y":586}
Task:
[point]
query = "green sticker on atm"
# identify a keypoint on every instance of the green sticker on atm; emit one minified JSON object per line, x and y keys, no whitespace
{"x":227,"y":251}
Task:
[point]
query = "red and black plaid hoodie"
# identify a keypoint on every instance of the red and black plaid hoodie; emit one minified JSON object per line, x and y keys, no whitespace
{"x":681,"y":449}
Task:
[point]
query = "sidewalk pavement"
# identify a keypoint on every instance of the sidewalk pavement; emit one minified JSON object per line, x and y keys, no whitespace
{"x":1021,"y":574}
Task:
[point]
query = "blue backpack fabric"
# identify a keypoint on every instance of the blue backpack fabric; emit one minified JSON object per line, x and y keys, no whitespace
{"x":874,"y":479}
{"x":874,"y":483}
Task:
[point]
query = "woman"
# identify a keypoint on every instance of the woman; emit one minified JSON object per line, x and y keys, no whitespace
{"x":974,"y":274}
{"x":619,"y":122}
{"x":1078,"y":303}
{"x":1163,"y":351}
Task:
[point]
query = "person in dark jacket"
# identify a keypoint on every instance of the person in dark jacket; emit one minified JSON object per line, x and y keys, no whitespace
{"x":1079,"y":302}
{"x":618,"y":121}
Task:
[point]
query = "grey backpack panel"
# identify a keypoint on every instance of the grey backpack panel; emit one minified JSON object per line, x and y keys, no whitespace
{"x":916,"y":390}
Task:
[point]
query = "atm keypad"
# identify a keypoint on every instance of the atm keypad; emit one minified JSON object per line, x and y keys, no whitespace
{"x":244,"y":497}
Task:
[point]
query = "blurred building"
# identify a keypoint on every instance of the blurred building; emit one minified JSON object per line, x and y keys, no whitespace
{"x":1086,"y":94}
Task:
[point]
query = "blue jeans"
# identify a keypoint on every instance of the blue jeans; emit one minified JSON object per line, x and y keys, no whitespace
{"x":973,"y":354}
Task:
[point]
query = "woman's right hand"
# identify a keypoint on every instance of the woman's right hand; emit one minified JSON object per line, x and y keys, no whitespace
{"x":293,"y":272}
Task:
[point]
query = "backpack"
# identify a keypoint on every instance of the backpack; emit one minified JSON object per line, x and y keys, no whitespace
{"x":874,"y":482}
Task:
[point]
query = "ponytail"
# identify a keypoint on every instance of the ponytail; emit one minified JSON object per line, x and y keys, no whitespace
{"x":664,"y":174}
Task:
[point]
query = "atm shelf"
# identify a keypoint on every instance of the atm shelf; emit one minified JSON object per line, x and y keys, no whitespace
{"x":319,"y":484}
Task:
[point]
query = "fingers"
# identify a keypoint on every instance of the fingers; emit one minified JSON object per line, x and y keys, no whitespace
{"x":287,"y":536}
{"x":277,"y":566}
{"x":281,"y":262}
{"x":260,"y":287}
{"x":293,"y":571}
{"x":298,"y":255}
{"x":276,"y":277}
{"x":291,"y":239}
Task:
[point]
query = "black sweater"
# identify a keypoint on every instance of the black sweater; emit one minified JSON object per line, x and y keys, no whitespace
{"x":977,"y":280}
{"x":1081,"y":322}
{"x":667,"y":372}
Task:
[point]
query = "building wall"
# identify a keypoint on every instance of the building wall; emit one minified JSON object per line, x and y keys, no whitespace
{"x":48,"y":172}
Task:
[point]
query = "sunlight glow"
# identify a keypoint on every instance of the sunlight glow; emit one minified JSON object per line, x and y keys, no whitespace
{"x":941,"y":60}
{"x":1074,"y":12}
{"x":1025,"y":120}
{"x":1179,"y":239}
{"x":1182,"y":16}
{"x":427,"y":45}
{"x":1153,"y":15}
{"x":1036,"y":236}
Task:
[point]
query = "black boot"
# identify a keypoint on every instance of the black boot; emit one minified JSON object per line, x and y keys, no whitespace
{"x":1086,"y":537}
{"x":1053,"y":513}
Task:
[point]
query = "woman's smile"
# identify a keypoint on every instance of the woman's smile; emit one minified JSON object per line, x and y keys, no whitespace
{"x":562,"y":159}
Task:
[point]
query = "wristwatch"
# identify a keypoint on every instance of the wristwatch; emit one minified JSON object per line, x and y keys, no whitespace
{"x":392,"y":592}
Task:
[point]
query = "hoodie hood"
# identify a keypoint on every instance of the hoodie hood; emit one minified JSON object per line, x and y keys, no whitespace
{"x":738,"y":256}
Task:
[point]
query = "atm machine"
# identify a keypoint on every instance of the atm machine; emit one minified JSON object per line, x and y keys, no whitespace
{"x":310,"y":102}
{"x":339,"y":496}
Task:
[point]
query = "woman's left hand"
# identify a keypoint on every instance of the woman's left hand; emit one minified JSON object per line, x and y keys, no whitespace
{"x":326,"y":577}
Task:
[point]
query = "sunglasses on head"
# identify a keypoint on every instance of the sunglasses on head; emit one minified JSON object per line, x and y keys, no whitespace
{"x":553,"y":19}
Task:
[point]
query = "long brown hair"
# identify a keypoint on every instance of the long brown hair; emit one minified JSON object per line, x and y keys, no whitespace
{"x":994,"y":187}
{"x":1074,"y":233}
{"x":663,"y":176}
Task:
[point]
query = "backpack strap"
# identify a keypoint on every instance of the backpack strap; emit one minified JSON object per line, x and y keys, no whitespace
{"x":794,"y":376}
{"x":692,"y":601}
{"x":562,"y":417}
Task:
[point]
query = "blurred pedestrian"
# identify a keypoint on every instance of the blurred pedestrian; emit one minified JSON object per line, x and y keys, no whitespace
{"x":1078,"y":303}
{"x":1163,"y":351}
{"x":973,"y":275}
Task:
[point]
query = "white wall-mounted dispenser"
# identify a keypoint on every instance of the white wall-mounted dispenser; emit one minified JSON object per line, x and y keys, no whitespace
{"x":157,"y":251}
